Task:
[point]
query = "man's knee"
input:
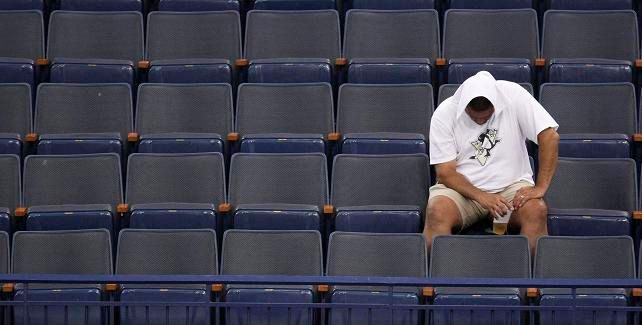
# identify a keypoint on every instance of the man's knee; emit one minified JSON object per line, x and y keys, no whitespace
{"x":442,"y":211}
{"x":534,"y":212}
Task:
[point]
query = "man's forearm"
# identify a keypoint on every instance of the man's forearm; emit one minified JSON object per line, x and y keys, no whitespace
{"x":461,"y":185}
{"x":548,"y":151}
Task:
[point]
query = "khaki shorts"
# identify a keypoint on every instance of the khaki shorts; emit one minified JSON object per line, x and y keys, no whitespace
{"x":471,"y":211}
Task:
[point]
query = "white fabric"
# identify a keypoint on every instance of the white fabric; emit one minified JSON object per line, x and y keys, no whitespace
{"x":493,"y":155}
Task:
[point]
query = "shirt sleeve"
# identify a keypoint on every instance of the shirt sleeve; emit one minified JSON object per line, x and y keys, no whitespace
{"x":531,"y":115}
{"x":442,"y":142}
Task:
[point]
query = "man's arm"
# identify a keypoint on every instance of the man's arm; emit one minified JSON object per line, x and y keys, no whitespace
{"x":447,"y":174}
{"x":548,"y":141}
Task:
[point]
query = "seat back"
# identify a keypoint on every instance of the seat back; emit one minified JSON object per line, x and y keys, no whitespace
{"x":22,"y":33}
{"x":15,"y":108}
{"x":10,"y":191}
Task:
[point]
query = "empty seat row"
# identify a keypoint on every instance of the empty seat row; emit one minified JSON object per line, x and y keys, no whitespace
{"x":282,"y":46}
{"x":171,"y":118}
{"x":297,"y":253}
{"x":266,"y":191}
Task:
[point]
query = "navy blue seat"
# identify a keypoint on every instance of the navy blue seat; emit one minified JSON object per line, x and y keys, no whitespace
{"x":22,"y":5}
{"x":592,"y":197}
{"x":503,"y":42}
{"x":289,"y":46}
{"x":490,"y":4}
{"x":447,"y":90}
{"x":590,"y":5}
{"x":483,"y":257}
{"x":166,"y":252}
{"x":101,"y":5}
{"x":175,"y":191}
{"x":179,"y":51}
{"x":253,"y":252}
{"x":10,"y":192}
{"x":359,"y":254}
{"x":198,"y":5}
{"x":380,"y":193}
{"x":15,"y":117}
{"x":278,"y":191}
{"x":384,"y":119}
{"x":93,"y":46}
{"x":284,"y":117}
{"x":588,"y":258}
{"x":182,"y":118}
{"x":83,"y":118}
{"x":598,"y":118}
{"x":390,"y":4}
{"x":391,"y":46}
{"x":53,"y":204}
{"x":61,"y":252}
{"x":294,"y":5}
{"x":22,"y":33}
{"x":599,"y":55}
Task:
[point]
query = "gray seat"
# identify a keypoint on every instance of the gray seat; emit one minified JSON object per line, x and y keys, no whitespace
{"x":184,"y":109}
{"x":573,"y":34}
{"x":391,"y":34}
{"x":448,"y":90}
{"x":11,"y":189}
{"x":193,"y":35}
{"x":403,"y":108}
{"x":380,"y":193}
{"x":591,"y":108}
{"x":84,"y":110}
{"x":4,"y":253}
{"x":278,"y":191}
{"x":508,"y":33}
{"x":285,"y":108}
{"x":96,"y":35}
{"x":22,"y":33}
{"x":15,"y":110}
{"x":272,"y":34}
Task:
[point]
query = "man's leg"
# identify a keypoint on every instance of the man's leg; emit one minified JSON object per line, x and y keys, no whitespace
{"x":531,"y":220}
{"x":442,"y":215}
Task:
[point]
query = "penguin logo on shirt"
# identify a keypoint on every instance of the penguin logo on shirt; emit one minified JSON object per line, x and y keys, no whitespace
{"x":484,"y":144}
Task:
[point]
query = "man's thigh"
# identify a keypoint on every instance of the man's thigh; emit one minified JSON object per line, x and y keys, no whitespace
{"x":469,"y":210}
{"x":509,"y":192}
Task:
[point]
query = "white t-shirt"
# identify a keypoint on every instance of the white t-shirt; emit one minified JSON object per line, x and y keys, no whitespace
{"x":493,"y":155}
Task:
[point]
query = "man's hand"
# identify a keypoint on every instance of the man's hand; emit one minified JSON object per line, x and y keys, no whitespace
{"x":527,"y":193}
{"x":496,"y":204}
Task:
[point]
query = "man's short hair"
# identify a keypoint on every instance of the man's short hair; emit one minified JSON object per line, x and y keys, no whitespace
{"x":480,"y":104}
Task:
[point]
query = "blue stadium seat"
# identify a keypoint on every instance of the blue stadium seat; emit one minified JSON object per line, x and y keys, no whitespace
{"x":590,"y":5}
{"x":278,"y":191}
{"x":101,"y":5}
{"x":22,"y":5}
{"x":15,"y":117}
{"x":252,"y":252}
{"x":359,"y":254}
{"x":484,"y":257}
{"x":589,"y":258}
{"x":294,"y":4}
{"x":61,"y":252}
{"x":91,"y":203}
{"x":490,"y":4}
{"x":175,"y":191}
{"x":284,"y":117}
{"x":379,"y":193}
{"x":24,"y":31}
{"x":83,"y":118}
{"x":592,"y":197}
{"x":198,"y":5}
{"x":163,"y":252}
{"x":182,"y":118}
{"x":503,"y":42}
{"x":598,"y":118}
{"x":292,"y":45}
{"x":384,"y":119}
{"x":391,"y":46}
{"x":597,"y":56}
{"x":193,"y":56}
{"x":10,"y":192}
{"x":93,"y":46}
{"x":390,"y":4}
